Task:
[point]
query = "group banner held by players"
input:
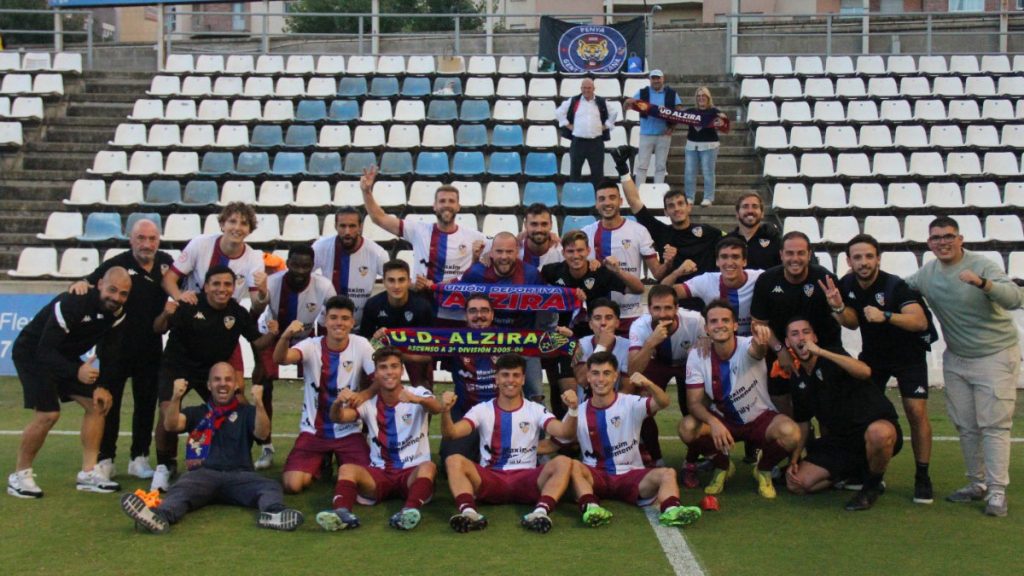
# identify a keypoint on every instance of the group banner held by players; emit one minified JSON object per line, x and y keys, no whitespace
{"x":520,"y":298}
{"x":471,"y":342}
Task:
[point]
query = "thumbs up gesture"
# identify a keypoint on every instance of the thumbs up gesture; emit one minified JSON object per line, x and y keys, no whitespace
{"x":88,"y":372}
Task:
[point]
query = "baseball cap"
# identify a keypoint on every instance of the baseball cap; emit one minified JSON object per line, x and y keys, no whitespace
{"x":656,"y":73}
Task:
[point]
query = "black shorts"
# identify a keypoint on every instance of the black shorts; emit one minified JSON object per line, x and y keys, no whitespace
{"x":44,"y":391}
{"x":778,"y":386}
{"x":168,"y":374}
{"x":845,"y":456}
{"x":912,"y":379}
{"x":558,"y":368}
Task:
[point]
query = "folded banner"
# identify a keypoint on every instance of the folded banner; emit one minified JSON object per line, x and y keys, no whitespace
{"x":472,"y":342}
{"x":680,"y":117}
{"x":521,"y":298}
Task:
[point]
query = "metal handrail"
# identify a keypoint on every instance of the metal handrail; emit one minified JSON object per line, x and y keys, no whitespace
{"x":58,"y":30}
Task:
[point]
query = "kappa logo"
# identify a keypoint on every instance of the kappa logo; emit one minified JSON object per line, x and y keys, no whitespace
{"x":560,"y":282}
{"x":364,"y":270}
{"x":880,"y":298}
{"x":818,"y":373}
{"x":524,"y":427}
{"x":407,"y":315}
{"x":382,"y":314}
{"x":616,"y":421}
{"x":809,"y":290}
{"x":132,"y":272}
{"x":764,"y":242}
{"x":851,"y":295}
{"x":919,"y":390}
{"x":592,"y":49}
{"x":86,"y":318}
{"x":200,"y":316}
{"x":778,"y":290}
{"x":229,"y":322}
{"x":589,"y":283}
{"x":99,"y":316}
{"x":697,"y":231}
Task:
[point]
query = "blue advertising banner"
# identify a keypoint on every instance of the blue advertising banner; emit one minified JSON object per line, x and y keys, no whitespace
{"x":95,"y":3}
{"x":16,"y":311}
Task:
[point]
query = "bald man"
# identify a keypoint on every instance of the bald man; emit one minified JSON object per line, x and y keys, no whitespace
{"x":48,"y":358}
{"x":140,"y":355}
{"x":587,"y":121}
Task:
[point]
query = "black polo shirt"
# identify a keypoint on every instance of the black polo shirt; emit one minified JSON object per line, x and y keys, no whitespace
{"x":776,"y":301}
{"x":379,"y":313}
{"x":595,"y":284}
{"x":695,"y":243}
{"x":201,"y":336}
{"x":763,"y":247}
{"x":145,"y":302}
{"x":883,"y":343}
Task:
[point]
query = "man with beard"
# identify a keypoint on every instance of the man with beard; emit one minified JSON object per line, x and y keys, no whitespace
{"x":47,"y":355}
{"x":442,"y":251}
{"x":141,"y":347}
{"x":796,"y":288}
{"x":540,"y":246}
{"x":628,"y":242}
{"x":860,"y":432}
{"x":351,"y":262}
{"x":202,"y":335}
{"x":398,"y":307}
{"x":295,"y":294}
{"x":336,"y":361}
{"x":681,"y":241}
{"x":762,"y":238}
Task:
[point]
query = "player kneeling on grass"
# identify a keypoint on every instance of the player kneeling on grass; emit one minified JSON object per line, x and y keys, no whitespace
{"x":220,"y":437}
{"x":509,"y":428}
{"x":609,"y":437}
{"x":860,"y":430}
{"x":396,"y":426}
{"x":727,"y":394}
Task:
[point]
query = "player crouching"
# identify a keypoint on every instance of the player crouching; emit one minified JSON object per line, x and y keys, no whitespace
{"x":609,"y":437}
{"x":400,"y":466}
{"x":509,"y":428}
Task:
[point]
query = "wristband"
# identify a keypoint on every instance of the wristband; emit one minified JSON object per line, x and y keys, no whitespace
{"x":625,"y":177}
{"x":839,"y":310}
{"x":572,"y":412}
{"x":600,"y":348}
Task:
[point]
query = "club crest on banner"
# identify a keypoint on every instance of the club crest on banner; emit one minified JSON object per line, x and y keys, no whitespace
{"x":592,"y":49}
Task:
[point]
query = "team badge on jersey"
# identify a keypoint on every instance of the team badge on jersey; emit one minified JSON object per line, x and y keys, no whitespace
{"x":880,"y":298}
{"x":233,"y":417}
{"x":809,"y":290}
{"x":818,"y":373}
{"x":626,"y":243}
{"x":697,"y":231}
{"x":589,"y":283}
{"x":163,"y":268}
{"x":462,"y":248}
{"x":347,"y":365}
{"x":764,"y":242}
{"x":408,"y":315}
{"x":406,"y":418}
{"x":229,"y":322}
{"x":311,"y":307}
{"x":524,"y":427}
{"x":616,"y":421}
{"x":363,"y":270}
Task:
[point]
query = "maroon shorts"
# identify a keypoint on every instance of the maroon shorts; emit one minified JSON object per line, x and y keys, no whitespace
{"x":390,"y":483}
{"x":624,"y":487}
{"x":508,"y":486}
{"x":271,"y":368}
{"x":236,"y":359}
{"x":624,"y":324}
{"x":420,"y":374}
{"x":309,"y":452}
{"x":754,"y":431}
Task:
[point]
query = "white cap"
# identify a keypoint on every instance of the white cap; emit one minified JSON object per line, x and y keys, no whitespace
{"x":656,"y":73}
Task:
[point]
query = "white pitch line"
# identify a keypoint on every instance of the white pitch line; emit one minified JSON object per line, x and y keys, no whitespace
{"x":674,"y":545}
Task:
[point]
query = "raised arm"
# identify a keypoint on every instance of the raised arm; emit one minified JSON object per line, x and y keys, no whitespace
{"x":283,"y":352}
{"x":452,"y":430}
{"x":373,"y":210}
{"x":174,"y":420}
{"x":566,"y":427}
{"x":262,"y":428}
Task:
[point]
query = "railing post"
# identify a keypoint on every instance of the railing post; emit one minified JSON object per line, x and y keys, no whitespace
{"x":828,"y":35}
{"x":58,"y":31}
{"x":488,"y":28}
{"x":375,"y":27}
{"x":928,"y":35}
{"x":265,"y":34}
{"x":458,"y":36}
{"x":160,"y":37}
{"x":1004,"y":28}
{"x":361,"y":49}
{"x":88,"y":41}
{"x":649,"y":44}
{"x":728,"y":42}
{"x":865,"y":33}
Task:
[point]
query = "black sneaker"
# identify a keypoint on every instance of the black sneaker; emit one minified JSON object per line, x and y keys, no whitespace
{"x":923,"y":493}
{"x":463,"y":523}
{"x":862,"y":500}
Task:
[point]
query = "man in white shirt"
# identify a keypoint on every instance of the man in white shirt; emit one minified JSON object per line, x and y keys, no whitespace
{"x":587,"y":121}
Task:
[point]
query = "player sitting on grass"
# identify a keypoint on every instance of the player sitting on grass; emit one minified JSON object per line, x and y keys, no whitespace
{"x":727,"y":393}
{"x":509,"y":428}
{"x":220,"y":437}
{"x":400,"y":466}
{"x":609,"y":437}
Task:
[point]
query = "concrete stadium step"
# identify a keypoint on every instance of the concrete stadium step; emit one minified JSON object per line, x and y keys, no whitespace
{"x":94,"y":109}
{"x":76,"y":161}
{"x":95,"y":137}
{"x":128,"y":97}
{"x":63,"y":147}
{"x":23,"y":221}
{"x":26,"y":191}
{"x":13,"y":177}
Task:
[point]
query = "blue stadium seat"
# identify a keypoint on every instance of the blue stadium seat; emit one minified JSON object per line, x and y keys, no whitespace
{"x":416,"y":86}
{"x":577,"y":194}
{"x":576,"y":222}
{"x":289,"y":164}
{"x":397,"y":164}
{"x":136,"y":216}
{"x":352,"y":87}
{"x":266,"y":136}
{"x":475,"y":111}
{"x":442,"y":111}
{"x":200,"y":193}
{"x":384,"y":87}
{"x":344,"y":110}
{"x":447,"y":86}
{"x":541,"y":164}
{"x":102,"y":226}
{"x":471,"y":136}
{"x":252,"y":163}
{"x":432,"y":164}
{"x":505,"y":164}
{"x":311,"y":111}
{"x":355,"y":162}
{"x":507,"y":136}
{"x":163,"y":193}
{"x":300,"y":136}
{"x":544,"y":192}
{"x":468,"y":164}
{"x":217,"y":163}
{"x":324,"y":163}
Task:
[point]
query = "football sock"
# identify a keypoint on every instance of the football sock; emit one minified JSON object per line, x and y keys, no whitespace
{"x":669,"y":502}
{"x":872,"y":481}
{"x":922,"y":470}
{"x":546,"y":504}
{"x":586,"y":500}
{"x":419,"y":493}
{"x":465,"y":502}
{"x":771,"y":454}
{"x":344,"y":494}
{"x":705,"y":445}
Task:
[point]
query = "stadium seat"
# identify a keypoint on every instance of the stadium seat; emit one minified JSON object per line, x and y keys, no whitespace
{"x":511,"y":136}
{"x":196,"y":86}
{"x":932,"y":65}
{"x":747,"y":66}
{"x":778,"y":66}
{"x":927,"y":164}
{"x":982,"y":195}
{"x":35,"y":262}
{"x":246,"y":110}
{"x":827,"y":112}
{"x":158,"y":86}
{"x":331,"y":65}
{"x":790,"y":196}
{"x":543,"y":88}
{"x":181,"y":164}
{"x":67,"y":62}
{"x":410,"y":111}
{"x":125,"y":193}
{"x":576,"y":222}
{"x":442,"y":111}
{"x":129,"y":135}
{"x":145,"y":162}
{"x":268,"y":229}
{"x":544,"y":111}
{"x":839,"y":229}
{"x":495,"y":223}
{"x":10,"y":61}
{"x":415,"y":87}
{"x":850,"y":88}
{"x":828,"y":196}
{"x":163,"y":193}
{"x":16,"y":84}
{"x":875,"y":136}
{"x":885,"y":229}
{"x":963,"y":64}
{"x":164,"y":136}
{"x":362,"y":65}
{"x":228,"y":86}
{"x":373,"y":232}
{"x":356,"y":162}
{"x":929,"y":111}
{"x":312,"y":194}
{"x":403,"y":136}
{"x":181,"y":228}
{"x":980,"y":87}
{"x":368,"y":137}
{"x":320,"y":87}
{"x":964,"y":110}
{"x":270,"y":64}
{"x":755,"y":89}
{"x":505,"y":164}
{"x":258,"y":87}
{"x":910,"y":137}
{"x":839,"y":66}
{"x":102,"y":226}
{"x":511,"y":88}
{"x":389,"y":194}
{"x":899,"y":263}
{"x":228,"y":136}
{"x":840,"y":138}
{"x":502,"y":195}
{"x":289,"y":164}
{"x":352,"y":87}
{"x":1004,"y":228}
{"x":883,"y":88}
{"x":300,"y":64}
{"x":239,"y":64}
{"x":905,"y":194}
{"x":543,"y":192}
{"x":948,"y":136}
{"x":87,"y":193}
{"x":894,"y":111}
{"x":278,"y":111}
{"x":780,"y":166}
{"x":889,"y":165}
{"x":471,"y":136}
{"x":970,"y":227}
{"x":217,"y":164}
{"x":898,"y":65}
{"x":816,"y":165}
{"x":862,"y":111}
{"x":475,"y":111}
{"x":512,"y":66}
{"x":62,"y":226}
{"x":438,"y":136}
{"x":993,"y":109}
{"x":300,"y":228}
{"x":541,"y":137}
{"x":578,"y":195}
{"x":967,"y":164}
{"x":324,"y":164}
{"x":209,"y":63}
{"x":463,"y":163}
{"x":947,"y":86}
{"x":213,"y":110}
{"x":109,"y":162}
{"x":774,"y":138}
{"x":252,"y":163}
{"x":806,"y":224}
{"x":479,"y":88}
{"x":762,"y":112}
{"x":383,"y":87}
{"x":867,"y":196}
{"x":300,"y":136}
{"x":1016,"y":265}
{"x":311,"y":111}
{"x":1000,"y":164}
{"x":267,"y":136}
{"x":421,"y":65}
{"x":943,"y":195}
{"x":817,"y":88}
{"x":11,"y":134}
{"x":808,"y":66}
{"x":200,"y":193}
{"x":343,"y":110}
{"x":397,"y":163}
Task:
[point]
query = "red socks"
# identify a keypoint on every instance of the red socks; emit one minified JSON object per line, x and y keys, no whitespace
{"x":419,"y":493}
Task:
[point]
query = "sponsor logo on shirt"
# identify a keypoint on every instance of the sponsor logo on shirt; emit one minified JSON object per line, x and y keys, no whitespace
{"x":86,"y":318}
{"x":778,"y":290}
{"x":199,"y":316}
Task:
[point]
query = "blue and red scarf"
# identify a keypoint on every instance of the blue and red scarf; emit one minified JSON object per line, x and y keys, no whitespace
{"x":198,"y":446}
{"x":503,"y":297}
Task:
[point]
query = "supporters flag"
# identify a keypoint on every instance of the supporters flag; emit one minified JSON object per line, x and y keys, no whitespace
{"x":477,"y":342}
{"x":581,"y":48}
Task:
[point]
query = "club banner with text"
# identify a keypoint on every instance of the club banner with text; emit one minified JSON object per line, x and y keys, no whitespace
{"x":472,"y":342}
{"x":582,"y":48}
{"x":679,"y":117}
{"x":521,"y":298}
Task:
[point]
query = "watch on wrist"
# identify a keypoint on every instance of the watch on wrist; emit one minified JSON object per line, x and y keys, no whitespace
{"x":777,"y":348}
{"x":888,"y":316}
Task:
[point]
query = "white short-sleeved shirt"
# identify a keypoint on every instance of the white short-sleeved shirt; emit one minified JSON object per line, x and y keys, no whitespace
{"x":508,"y":440}
{"x":326,"y":373}
{"x":610,"y":437}
{"x":397,"y":434}
{"x":440,"y":256}
{"x":737,"y":387}
{"x":674,"y":350}
{"x":585,"y":349}
{"x":285,"y":305}
{"x":203,"y":252}
{"x":552,"y":256}
{"x":709,"y":286}
{"x":630,"y":243}
{"x":352,"y":274}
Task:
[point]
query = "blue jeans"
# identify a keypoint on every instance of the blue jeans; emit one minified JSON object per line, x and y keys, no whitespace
{"x":706,"y":160}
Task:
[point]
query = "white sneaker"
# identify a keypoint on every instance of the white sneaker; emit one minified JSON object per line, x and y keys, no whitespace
{"x":95,"y":481}
{"x":266,"y":459}
{"x":161,"y":479}
{"x":22,"y":484}
{"x":706,"y":203}
{"x":140,"y":468}
{"x":106,"y":467}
